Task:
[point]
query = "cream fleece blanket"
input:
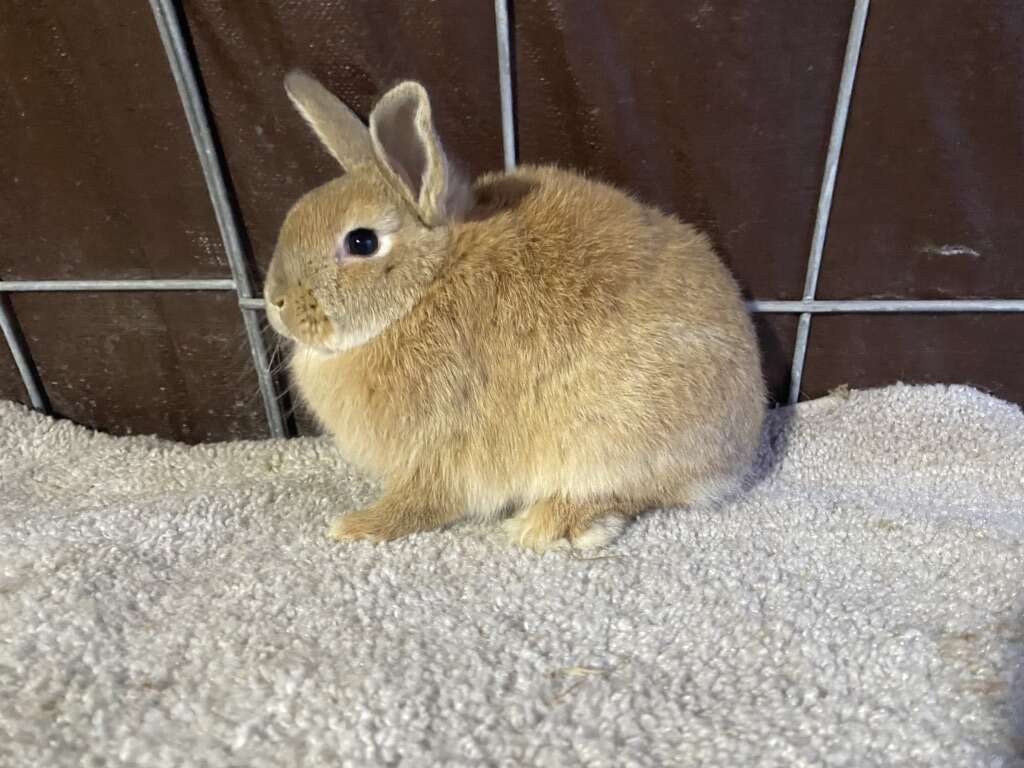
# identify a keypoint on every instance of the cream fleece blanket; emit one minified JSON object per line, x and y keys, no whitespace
{"x":863,"y":605}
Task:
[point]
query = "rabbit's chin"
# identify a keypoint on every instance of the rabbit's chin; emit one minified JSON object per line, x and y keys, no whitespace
{"x":336,"y":343}
{"x":344,"y":341}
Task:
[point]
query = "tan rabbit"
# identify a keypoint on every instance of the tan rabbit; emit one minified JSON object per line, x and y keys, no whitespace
{"x":536,"y":343}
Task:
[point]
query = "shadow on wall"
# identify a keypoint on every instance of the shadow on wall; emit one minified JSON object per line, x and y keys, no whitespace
{"x":776,"y":358}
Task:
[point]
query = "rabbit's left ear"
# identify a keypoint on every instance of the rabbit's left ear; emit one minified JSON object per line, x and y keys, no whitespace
{"x":411,"y":156}
{"x":342,"y":133}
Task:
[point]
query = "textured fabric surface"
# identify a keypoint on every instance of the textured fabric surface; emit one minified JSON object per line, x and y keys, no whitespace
{"x":862,"y":605}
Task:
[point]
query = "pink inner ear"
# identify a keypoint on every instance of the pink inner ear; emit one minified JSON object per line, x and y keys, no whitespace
{"x":403,"y":176}
{"x":402,"y":145}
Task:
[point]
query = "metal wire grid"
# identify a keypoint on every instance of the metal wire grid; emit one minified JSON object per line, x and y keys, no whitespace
{"x":250,"y":304}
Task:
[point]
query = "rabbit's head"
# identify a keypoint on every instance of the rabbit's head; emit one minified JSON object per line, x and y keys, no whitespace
{"x":356,"y":254}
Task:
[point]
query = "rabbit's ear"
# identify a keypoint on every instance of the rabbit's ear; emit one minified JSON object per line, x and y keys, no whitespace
{"x":410,"y":154}
{"x":338,"y":127}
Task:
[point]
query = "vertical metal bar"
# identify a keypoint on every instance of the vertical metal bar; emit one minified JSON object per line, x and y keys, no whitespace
{"x":835,"y":146}
{"x":182,"y":68}
{"x":22,"y":357}
{"x":796,"y":372}
{"x":508,"y":117}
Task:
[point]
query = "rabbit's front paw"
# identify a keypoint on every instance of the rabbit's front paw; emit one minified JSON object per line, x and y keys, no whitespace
{"x":558,"y":523}
{"x":531,"y":530}
{"x":369,"y":524}
{"x":396,"y":514}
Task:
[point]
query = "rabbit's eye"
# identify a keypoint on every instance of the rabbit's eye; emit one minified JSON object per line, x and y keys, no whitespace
{"x":361,"y":242}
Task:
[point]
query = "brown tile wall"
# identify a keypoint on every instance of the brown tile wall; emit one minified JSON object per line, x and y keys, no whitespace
{"x":930,"y":196}
{"x":171,"y":363}
{"x":100,"y":176}
{"x":718,"y":111}
{"x":10,"y":383}
{"x":985,"y":350}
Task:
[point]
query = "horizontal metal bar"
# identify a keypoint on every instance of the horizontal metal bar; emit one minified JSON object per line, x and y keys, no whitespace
{"x":837,"y":306}
{"x":847,"y":306}
{"x":22,"y":357}
{"x":20,"y":286}
{"x":843,"y":306}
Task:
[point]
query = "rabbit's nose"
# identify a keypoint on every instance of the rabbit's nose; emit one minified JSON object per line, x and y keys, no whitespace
{"x":273,"y":294}
{"x":275,"y":287}
{"x":273,"y":298}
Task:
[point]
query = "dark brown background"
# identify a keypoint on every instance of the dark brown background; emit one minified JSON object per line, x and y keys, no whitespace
{"x":717,"y":110}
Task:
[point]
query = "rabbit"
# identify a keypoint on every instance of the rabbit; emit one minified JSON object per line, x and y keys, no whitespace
{"x":535,"y":346}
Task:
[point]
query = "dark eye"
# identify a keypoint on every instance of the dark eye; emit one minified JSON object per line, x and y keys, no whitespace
{"x":361,"y":242}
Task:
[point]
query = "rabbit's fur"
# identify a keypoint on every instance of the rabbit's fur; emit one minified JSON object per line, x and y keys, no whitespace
{"x":537,"y":343}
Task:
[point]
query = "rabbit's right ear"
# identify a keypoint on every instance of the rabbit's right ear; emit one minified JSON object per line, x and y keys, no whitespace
{"x":339,"y":129}
{"x":410,"y":154}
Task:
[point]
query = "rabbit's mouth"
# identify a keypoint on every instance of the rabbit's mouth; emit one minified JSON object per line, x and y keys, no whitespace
{"x":301,"y":320}
{"x":316,"y":331}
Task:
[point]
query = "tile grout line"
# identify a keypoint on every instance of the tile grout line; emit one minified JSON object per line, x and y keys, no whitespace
{"x":835,"y":145}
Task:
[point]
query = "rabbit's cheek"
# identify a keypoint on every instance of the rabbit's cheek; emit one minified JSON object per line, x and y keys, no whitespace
{"x":316,"y":330}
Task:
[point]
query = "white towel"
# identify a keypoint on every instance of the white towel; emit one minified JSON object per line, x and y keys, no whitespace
{"x":862,"y":605}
